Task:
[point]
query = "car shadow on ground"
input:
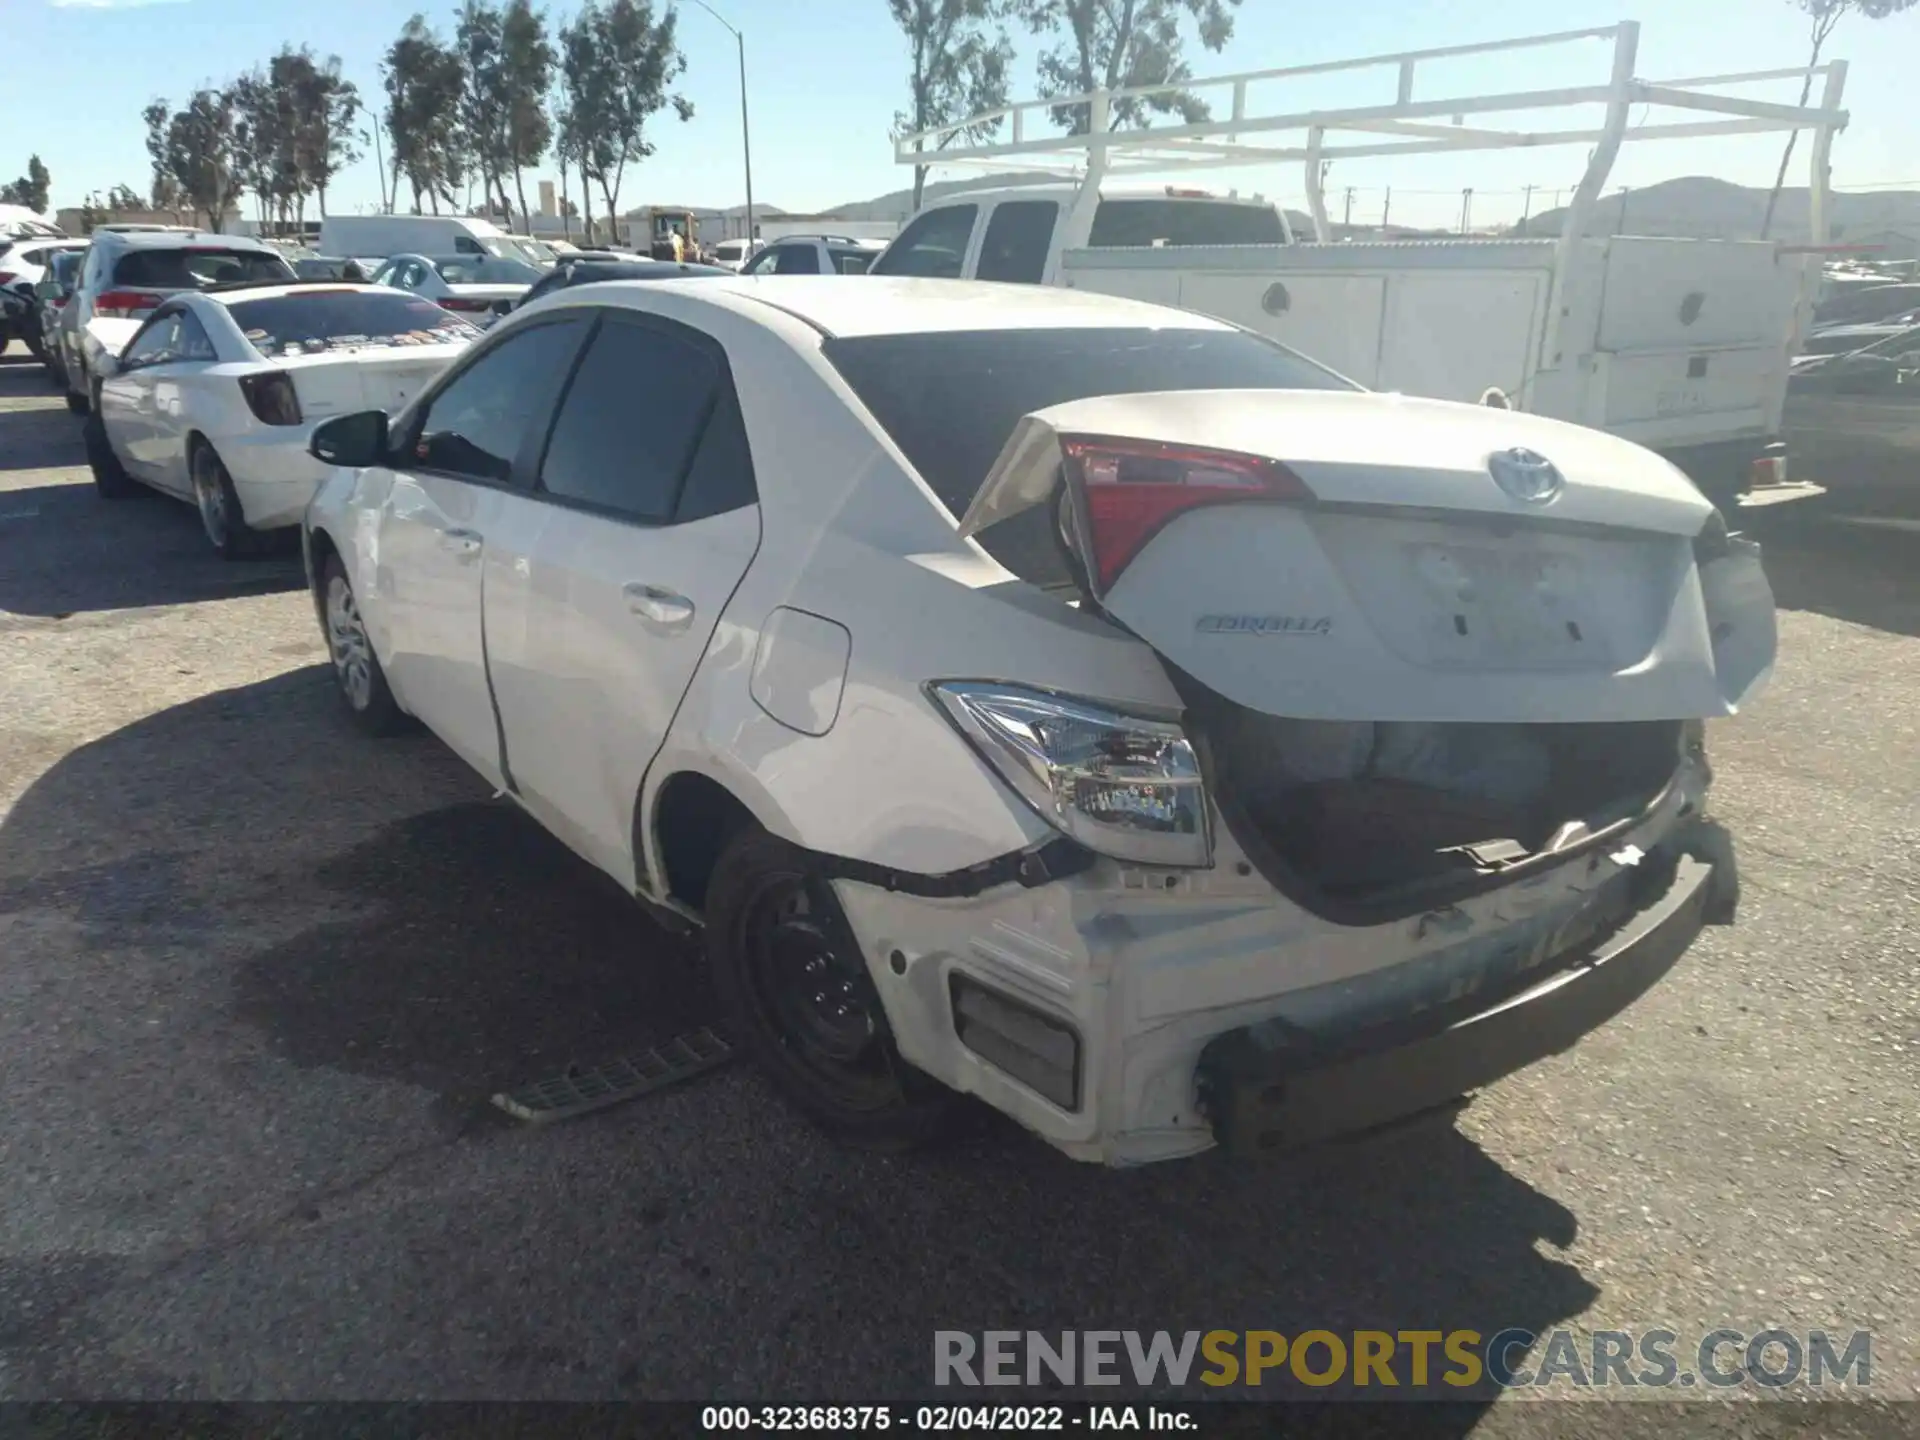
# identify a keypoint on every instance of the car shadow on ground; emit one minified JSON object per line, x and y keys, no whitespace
{"x":1819,"y":557}
{"x":359,"y":910}
{"x":65,"y":551}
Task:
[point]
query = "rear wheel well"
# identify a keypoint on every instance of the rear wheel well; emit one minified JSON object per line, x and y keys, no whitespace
{"x":693,"y":820}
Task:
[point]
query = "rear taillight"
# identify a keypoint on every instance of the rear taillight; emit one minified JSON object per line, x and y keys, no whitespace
{"x":124,"y":304}
{"x":1132,"y":488}
{"x":60,"y":301}
{"x":7,"y":277}
{"x":464,"y":306}
{"x":271,"y":397}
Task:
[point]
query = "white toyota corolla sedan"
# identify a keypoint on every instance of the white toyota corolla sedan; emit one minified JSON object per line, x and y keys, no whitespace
{"x":1079,"y":704}
{"x":214,"y":395}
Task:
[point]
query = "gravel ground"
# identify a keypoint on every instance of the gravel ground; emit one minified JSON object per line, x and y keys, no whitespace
{"x":258,"y":976}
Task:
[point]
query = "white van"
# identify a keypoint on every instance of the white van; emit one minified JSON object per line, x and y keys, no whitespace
{"x":375,"y":237}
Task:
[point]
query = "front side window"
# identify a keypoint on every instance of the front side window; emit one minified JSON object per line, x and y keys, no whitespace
{"x":763,"y":263}
{"x":475,"y":426}
{"x":629,"y":421}
{"x":852,"y":262}
{"x":935,"y":245}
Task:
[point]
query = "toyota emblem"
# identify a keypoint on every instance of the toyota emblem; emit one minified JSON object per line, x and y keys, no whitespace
{"x":1526,"y":476}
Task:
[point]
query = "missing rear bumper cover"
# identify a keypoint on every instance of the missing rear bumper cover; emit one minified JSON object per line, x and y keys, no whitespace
{"x":1273,"y":1087}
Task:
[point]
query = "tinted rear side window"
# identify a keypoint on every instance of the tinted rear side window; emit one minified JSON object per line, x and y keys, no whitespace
{"x":345,"y":320}
{"x":1123,"y":223}
{"x":1018,"y":234}
{"x":627,"y":427}
{"x":950,"y":399}
{"x":184,"y":269}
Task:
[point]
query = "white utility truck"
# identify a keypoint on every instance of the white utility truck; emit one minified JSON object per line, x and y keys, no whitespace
{"x":1681,"y":345}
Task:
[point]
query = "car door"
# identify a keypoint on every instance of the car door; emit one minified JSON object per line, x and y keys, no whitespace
{"x":641,"y":523}
{"x":126,"y":397}
{"x":169,"y":382}
{"x":454,"y":465}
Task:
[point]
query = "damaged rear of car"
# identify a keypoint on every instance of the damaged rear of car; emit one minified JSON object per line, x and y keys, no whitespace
{"x":1424,"y":798}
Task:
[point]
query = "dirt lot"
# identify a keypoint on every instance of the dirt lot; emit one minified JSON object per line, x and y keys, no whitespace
{"x":258,"y":976}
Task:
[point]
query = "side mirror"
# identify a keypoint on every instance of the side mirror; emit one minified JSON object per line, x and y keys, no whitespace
{"x":105,"y":367}
{"x":355,"y":441}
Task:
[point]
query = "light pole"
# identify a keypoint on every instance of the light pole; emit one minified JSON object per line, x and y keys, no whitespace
{"x":746,"y":144}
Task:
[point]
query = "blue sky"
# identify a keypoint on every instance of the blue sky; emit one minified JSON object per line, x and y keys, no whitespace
{"x":825,"y":79}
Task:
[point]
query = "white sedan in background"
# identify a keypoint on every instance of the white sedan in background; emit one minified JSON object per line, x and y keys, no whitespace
{"x":481,"y":287}
{"x":213,"y":397}
{"x":1281,"y":759}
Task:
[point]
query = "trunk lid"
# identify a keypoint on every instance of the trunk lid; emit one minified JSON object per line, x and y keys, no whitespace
{"x":341,"y":382}
{"x":1411,"y":586}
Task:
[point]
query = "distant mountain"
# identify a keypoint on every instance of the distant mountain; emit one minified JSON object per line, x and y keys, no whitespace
{"x":1703,"y":208}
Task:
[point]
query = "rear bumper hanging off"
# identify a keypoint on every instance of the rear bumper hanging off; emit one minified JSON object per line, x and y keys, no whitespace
{"x":1263,"y":1093}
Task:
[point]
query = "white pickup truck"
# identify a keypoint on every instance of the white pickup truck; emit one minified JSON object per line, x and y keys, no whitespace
{"x":1681,"y":345}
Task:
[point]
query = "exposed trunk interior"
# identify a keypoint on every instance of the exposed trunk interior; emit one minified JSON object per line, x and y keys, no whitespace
{"x":1357,"y":811}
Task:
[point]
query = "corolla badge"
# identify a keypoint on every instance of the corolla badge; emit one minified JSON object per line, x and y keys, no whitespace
{"x":1526,"y":475}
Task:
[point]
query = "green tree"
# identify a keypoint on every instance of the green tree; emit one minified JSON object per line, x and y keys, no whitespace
{"x":425,"y":84}
{"x":124,"y":198}
{"x":1124,"y":44}
{"x":479,"y":38}
{"x":958,"y":67}
{"x":617,"y":63}
{"x":527,"y":75}
{"x":30,"y":189}
{"x":194,"y":154}
{"x":1822,"y":17}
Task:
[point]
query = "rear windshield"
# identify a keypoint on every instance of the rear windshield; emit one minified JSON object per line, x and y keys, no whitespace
{"x":1121,"y":223}
{"x":345,"y":320}
{"x":195,"y":269}
{"x":950,"y":399}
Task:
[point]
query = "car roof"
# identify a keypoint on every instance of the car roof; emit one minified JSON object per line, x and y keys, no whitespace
{"x":183,"y":240}
{"x":866,"y":305}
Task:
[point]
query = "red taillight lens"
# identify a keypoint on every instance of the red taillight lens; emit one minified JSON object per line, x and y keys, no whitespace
{"x":271,"y":397}
{"x":60,"y":301}
{"x":466,"y":307}
{"x":1132,"y":488}
{"x":123,"y":304}
{"x":7,"y":277}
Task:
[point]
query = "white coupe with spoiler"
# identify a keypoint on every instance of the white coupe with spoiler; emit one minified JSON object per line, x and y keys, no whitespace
{"x":1081,"y":705}
{"x":212,"y":396}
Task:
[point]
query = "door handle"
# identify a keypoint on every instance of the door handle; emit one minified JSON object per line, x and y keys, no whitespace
{"x":461,"y":542}
{"x":660,"y":608}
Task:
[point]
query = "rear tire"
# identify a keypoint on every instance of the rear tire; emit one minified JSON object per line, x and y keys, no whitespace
{"x":110,"y":477}
{"x":795,"y":993}
{"x":220,"y":513}
{"x":356,"y":669}
{"x":77,"y":404}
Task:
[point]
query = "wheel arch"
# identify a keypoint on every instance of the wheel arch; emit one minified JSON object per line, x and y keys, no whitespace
{"x":681,"y":825}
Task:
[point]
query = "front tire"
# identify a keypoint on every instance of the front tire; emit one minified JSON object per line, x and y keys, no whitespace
{"x":795,"y":992}
{"x":356,"y":669}
{"x":110,"y":477}
{"x":220,"y":513}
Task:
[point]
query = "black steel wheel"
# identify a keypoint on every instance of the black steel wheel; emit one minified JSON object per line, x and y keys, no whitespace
{"x":797,"y":996}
